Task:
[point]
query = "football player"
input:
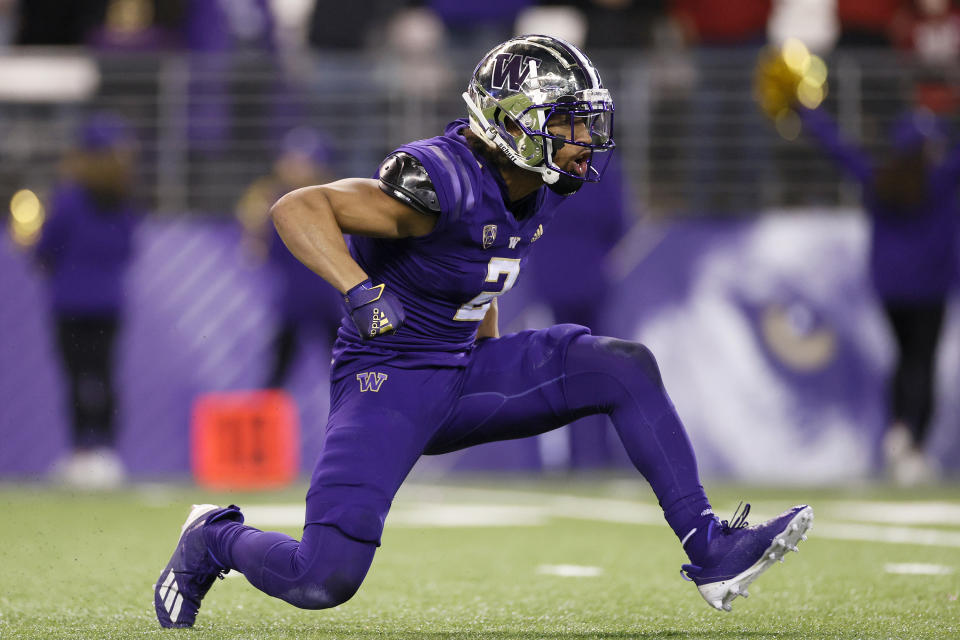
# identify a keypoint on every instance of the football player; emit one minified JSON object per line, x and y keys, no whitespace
{"x":419,"y":365}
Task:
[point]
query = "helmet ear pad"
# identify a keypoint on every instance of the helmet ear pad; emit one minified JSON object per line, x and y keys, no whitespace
{"x":527,"y":146}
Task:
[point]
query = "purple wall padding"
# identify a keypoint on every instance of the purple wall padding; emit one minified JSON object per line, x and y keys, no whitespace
{"x":198,"y":319}
{"x":703,"y":295}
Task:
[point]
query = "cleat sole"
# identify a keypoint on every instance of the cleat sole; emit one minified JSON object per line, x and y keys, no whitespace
{"x":720,"y":595}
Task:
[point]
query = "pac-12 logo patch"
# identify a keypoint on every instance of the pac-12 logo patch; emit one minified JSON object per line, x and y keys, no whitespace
{"x":510,"y":70}
{"x":371,"y":380}
{"x":489,"y":235}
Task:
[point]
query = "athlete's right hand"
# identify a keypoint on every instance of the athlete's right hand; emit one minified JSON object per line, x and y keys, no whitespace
{"x":374,"y":310}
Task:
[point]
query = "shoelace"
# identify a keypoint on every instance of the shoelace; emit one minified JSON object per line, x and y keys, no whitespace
{"x":194,"y":575}
{"x":737,"y":521}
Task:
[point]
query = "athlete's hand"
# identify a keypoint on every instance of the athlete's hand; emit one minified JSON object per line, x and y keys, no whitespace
{"x":375,"y":311}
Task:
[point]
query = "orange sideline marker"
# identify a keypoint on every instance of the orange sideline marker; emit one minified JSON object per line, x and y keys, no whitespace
{"x":245,"y":440}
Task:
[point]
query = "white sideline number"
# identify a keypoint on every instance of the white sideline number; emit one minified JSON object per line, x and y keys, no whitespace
{"x":477,"y":308}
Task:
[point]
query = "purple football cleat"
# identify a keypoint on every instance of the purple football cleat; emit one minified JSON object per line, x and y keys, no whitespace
{"x":192,"y":569}
{"x":737,"y":554}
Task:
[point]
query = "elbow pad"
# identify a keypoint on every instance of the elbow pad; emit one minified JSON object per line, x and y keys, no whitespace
{"x":404,"y":178}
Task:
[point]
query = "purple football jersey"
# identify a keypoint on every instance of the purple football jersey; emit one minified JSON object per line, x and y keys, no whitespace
{"x":447,"y":278}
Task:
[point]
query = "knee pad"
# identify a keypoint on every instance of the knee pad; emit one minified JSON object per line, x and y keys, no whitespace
{"x":335,"y":568}
{"x":623,"y":359}
{"x":324,"y":593}
{"x":637,"y":356}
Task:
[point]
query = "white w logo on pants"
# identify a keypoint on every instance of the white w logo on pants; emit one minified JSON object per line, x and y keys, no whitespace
{"x":371,"y":380}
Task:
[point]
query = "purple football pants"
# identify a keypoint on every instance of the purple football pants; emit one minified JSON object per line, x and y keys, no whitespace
{"x":383,"y":420}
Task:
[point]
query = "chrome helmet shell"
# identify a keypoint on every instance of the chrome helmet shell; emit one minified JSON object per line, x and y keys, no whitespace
{"x":529,"y":94}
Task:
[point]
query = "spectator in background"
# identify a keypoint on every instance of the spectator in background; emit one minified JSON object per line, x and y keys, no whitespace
{"x":238,"y":91}
{"x":621,"y":24}
{"x":930,"y":29}
{"x":722,"y":23}
{"x":326,"y":29}
{"x":231,"y":64}
{"x":911,"y":197}
{"x":8,"y":21}
{"x":84,"y":249}
{"x":473,"y":25}
{"x":138,"y":25}
{"x":587,"y":226}
{"x":727,"y":168}
{"x":867,"y":23}
{"x":304,"y":302}
{"x":58,"y":22}
{"x":868,"y":28}
{"x":416,"y":47}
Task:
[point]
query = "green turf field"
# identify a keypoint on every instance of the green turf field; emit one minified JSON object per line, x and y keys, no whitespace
{"x":82,"y":566}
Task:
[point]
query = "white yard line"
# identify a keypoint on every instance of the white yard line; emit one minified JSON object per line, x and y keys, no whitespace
{"x":894,"y":535}
{"x":469,"y":515}
{"x":569,"y":570}
{"x":910,"y":513}
{"x":431,"y":506}
{"x":918,"y":569}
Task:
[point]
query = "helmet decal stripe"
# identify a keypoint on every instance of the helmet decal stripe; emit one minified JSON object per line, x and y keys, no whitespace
{"x":587,"y":66}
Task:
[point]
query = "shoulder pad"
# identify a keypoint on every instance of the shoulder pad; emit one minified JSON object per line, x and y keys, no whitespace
{"x":403,"y":177}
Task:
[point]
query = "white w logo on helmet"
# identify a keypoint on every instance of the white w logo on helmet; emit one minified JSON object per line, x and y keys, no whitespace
{"x":510,"y":71}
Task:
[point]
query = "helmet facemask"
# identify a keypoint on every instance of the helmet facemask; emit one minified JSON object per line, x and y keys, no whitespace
{"x":533,"y":95}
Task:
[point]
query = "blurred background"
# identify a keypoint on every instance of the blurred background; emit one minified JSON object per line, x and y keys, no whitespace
{"x":784,"y":238}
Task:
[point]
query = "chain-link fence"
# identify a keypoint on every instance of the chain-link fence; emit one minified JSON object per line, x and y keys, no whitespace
{"x":690,"y":134}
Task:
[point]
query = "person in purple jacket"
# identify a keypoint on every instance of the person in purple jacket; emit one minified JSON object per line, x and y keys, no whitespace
{"x":582,"y":296}
{"x":84,"y":250}
{"x":911,"y":198}
{"x":419,"y":366}
{"x":304,"y":304}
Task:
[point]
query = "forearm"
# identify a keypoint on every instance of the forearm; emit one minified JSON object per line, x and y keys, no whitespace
{"x":819,"y":125}
{"x":305,"y":221}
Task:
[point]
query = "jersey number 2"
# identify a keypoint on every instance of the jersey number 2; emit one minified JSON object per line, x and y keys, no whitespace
{"x":477,"y":308}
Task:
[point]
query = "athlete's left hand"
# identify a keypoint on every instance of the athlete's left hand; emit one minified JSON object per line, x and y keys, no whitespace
{"x":374,"y":310}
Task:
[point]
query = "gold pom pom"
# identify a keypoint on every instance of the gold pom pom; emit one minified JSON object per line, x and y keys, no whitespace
{"x":785,"y":77}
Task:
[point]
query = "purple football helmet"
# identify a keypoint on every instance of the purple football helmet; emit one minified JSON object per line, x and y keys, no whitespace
{"x":533,"y":94}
